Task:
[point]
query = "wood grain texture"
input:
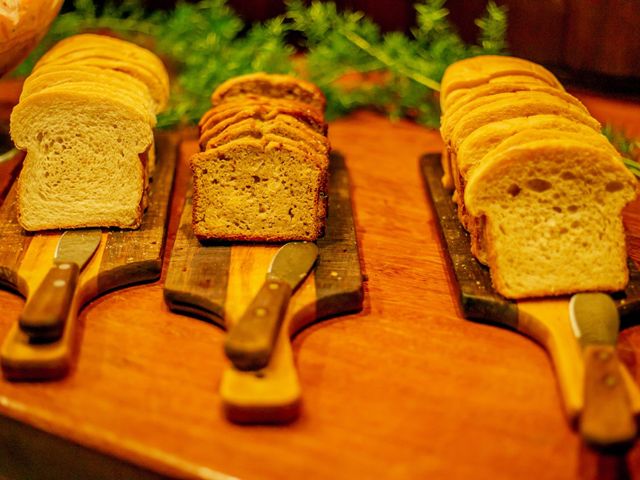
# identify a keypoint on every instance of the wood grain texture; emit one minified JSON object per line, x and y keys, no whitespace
{"x":119,"y":260}
{"x":545,"y":321}
{"x":221,"y":279}
{"x":405,"y":389}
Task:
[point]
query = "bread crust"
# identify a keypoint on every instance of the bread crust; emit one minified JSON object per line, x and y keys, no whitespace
{"x":270,"y":85}
{"x":502,"y":165}
{"x":253,"y":116}
{"x":482,"y":69}
{"x":89,"y":71}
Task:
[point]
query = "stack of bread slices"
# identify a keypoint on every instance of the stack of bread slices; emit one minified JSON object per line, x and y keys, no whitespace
{"x":538,"y":187}
{"x":263,"y":170}
{"x":85,"y":119}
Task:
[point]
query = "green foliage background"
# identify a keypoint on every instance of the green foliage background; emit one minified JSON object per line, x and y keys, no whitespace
{"x":207,"y":42}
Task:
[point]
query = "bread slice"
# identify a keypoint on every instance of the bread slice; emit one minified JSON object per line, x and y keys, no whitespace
{"x":306,"y":138}
{"x":158,"y":90}
{"x":83,"y":165}
{"x":75,"y":81}
{"x":83,"y":45}
{"x":553,"y":218}
{"x":259,"y":190}
{"x":475,"y":225}
{"x":270,"y":85}
{"x":56,"y":74}
{"x":475,"y":71}
{"x":489,"y":93}
{"x":264,"y":137}
{"x":477,"y":144}
{"x":262,"y":106}
{"x":218,"y":123}
{"x":85,"y":41}
{"x":526,"y":104}
{"x":455,"y":95}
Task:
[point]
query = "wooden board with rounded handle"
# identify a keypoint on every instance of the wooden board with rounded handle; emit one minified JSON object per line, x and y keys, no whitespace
{"x":123,"y":257}
{"x":544,"y":320}
{"x":217,"y":282}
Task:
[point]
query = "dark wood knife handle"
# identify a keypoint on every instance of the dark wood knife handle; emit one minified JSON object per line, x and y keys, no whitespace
{"x":251,"y":339}
{"x":607,"y":419}
{"x":45,"y":314}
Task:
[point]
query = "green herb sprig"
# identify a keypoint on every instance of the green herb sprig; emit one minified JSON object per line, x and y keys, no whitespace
{"x":629,"y":148}
{"x":208,"y":42}
{"x":342,"y":43}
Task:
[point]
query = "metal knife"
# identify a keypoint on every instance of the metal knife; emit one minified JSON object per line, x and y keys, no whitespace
{"x":251,"y":339}
{"x":607,"y":419}
{"x":44,"y":316}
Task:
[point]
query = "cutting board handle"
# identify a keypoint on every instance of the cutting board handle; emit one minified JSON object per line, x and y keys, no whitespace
{"x":606,"y":419}
{"x":270,"y":395}
{"x":547,"y":322}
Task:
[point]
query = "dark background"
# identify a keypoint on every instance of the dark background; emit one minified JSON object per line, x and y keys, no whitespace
{"x":592,"y":42}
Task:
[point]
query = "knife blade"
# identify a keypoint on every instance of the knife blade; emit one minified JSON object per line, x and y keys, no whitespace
{"x":606,"y":419}
{"x":44,"y":316}
{"x":251,"y":339}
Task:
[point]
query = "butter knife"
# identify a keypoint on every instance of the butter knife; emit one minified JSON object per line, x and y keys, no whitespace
{"x":44,"y":316}
{"x":251,"y":339}
{"x":606,"y":419}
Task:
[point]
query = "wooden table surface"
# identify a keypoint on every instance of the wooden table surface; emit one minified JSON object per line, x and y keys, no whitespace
{"x":407,"y":389}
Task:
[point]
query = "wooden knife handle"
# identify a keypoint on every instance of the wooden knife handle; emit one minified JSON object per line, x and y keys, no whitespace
{"x":607,"y":419}
{"x":46,"y":312}
{"x":251,"y":339}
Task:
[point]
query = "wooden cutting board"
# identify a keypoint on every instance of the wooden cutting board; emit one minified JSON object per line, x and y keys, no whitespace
{"x":545,"y":321}
{"x":216,"y":282}
{"x":124,"y":257}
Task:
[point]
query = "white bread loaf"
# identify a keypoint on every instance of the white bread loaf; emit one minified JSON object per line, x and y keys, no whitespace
{"x":553,"y":218}
{"x":85,"y":118}
{"x":538,"y":187}
{"x":82,"y":167}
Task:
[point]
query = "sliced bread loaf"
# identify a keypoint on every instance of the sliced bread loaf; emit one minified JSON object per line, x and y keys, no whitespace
{"x":553,"y":218}
{"x":83,"y":166}
{"x":478,"y":70}
{"x":263,"y":173}
{"x":270,"y":85}
{"x":86,"y":124}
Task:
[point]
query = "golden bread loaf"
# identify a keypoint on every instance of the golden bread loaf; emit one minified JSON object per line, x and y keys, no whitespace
{"x":85,"y":119}
{"x":537,"y":186}
{"x":262,"y":174}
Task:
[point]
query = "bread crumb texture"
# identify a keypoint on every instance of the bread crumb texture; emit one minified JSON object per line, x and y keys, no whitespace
{"x":86,"y":125}
{"x":263,"y":173}
{"x":539,"y":189}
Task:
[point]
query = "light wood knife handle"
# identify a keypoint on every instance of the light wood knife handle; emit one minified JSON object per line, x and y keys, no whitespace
{"x":45,"y":314}
{"x":607,"y":418}
{"x":251,"y":339}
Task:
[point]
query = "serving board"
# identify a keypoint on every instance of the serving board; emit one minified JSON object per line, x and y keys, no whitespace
{"x":217,"y":281}
{"x":124,"y":257}
{"x":545,"y":320}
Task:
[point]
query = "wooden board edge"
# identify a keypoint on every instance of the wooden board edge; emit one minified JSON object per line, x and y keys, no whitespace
{"x":492,"y":308}
{"x":195,"y":306}
{"x":132,"y":273}
{"x":63,"y":458}
{"x":483,"y":306}
{"x":328,"y":306}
